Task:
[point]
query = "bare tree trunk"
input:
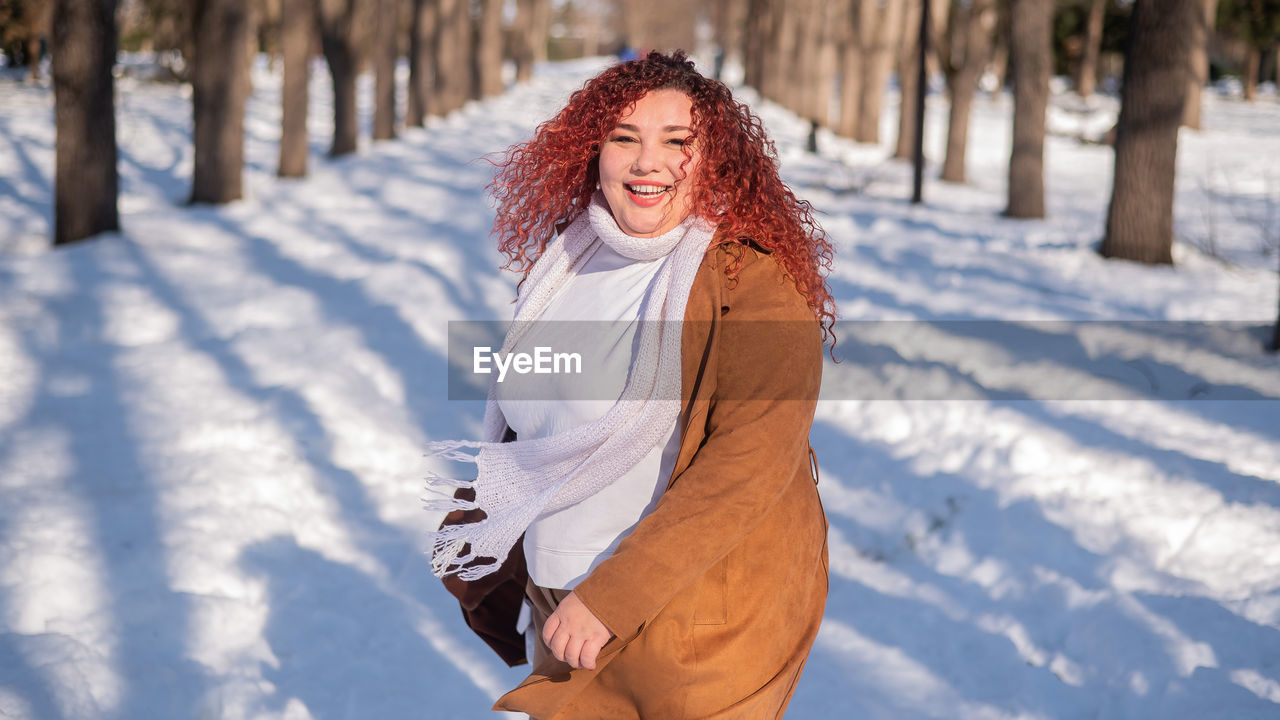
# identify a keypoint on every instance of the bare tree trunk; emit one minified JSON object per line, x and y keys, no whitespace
{"x":36,"y":20}
{"x":385,"y":52}
{"x":297,"y":35}
{"x":531,"y":29}
{"x":908,"y":68}
{"x":998,"y":64}
{"x":663,"y":24}
{"x":85,"y":180}
{"x":1030,"y":36}
{"x":489,"y":52}
{"x":729,"y":18}
{"x":541,"y":29}
{"x":805,"y":78}
{"x":879,"y":42}
{"x":1140,"y":218}
{"x":466,"y":30}
{"x":677,"y":26}
{"x":777,"y":52}
{"x":444,"y":96}
{"x":798,"y":86}
{"x":1253,"y":61}
{"x":756,"y":44}
{"x":341,"y":22}
{"x":967,"y":49}
{"x":961,"y":94}
{"x":453,"y":79}
{"x":1087,"y":73}
{"x":591,"y":30}
{"x":421,"y":51}
{"x":171,"y":29}
{"x":1199,"y":62}
{"x":522,"y":40}
{"x":784,"y":56}
{"x":32,"y":51}
{"x":219,"y":89}
{"x":827,"y":54}
{"x":343,"y":66}
{"x":268,"y":20}
{"x":632,"y":31}
{"x":851,"y":72}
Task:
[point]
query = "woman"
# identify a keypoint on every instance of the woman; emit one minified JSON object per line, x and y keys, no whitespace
{"x":670,"y":545}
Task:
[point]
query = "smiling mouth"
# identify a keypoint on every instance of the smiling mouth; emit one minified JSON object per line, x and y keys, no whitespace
{"x":647,"y":191}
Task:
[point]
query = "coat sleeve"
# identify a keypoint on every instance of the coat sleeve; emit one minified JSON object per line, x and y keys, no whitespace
{"x":767,"y":374}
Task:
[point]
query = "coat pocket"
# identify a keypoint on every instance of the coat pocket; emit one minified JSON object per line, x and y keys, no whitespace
{"x":711,"y":607}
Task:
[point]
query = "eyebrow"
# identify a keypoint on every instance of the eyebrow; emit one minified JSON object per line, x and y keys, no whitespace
{"x":668,"y":128}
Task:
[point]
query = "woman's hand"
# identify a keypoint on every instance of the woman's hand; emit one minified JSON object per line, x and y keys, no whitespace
{"x":574,"y":635}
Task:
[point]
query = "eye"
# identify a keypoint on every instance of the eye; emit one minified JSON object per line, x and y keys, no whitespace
{"x":678,"y":142}
{"x":622,"y":139}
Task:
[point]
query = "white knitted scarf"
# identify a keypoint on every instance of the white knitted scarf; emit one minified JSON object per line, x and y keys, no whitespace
{"x":519,"y":481}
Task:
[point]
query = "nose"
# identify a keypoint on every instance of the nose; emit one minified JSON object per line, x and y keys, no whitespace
{"x":646,"y":159}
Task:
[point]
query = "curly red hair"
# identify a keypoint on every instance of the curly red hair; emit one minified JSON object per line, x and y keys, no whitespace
{"x":549,"y":180}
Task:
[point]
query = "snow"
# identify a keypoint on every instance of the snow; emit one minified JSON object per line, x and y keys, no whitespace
{"x":211,"y":426}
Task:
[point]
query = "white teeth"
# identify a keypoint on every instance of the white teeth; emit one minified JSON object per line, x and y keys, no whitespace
{"x":647,"y":190}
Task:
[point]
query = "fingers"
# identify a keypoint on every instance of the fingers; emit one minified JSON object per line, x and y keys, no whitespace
{"x":590,"y":651}
{"x":573,"y":635}
{"x":549,"y":629}
{"x":573,"y":652}
{"x":557,"y":644}
{"x":571,"y":648}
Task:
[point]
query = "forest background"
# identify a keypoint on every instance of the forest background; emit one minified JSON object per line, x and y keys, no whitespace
{"x":829,"y":62}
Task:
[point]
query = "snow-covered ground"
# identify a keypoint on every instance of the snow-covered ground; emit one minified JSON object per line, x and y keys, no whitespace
{"x":211,"y":428}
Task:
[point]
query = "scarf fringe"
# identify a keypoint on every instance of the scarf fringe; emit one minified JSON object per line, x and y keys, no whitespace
{"x":439,"y":481}
{"x":447,"y":557}
{"x":451,"y":450}
{"x":448,"y":504}
{"x":446,"y":552}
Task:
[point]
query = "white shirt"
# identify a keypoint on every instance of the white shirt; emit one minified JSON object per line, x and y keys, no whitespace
{"x":562,"y":547}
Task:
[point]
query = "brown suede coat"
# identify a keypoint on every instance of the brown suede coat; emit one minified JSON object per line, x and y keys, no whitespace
{"x":715,"y":598}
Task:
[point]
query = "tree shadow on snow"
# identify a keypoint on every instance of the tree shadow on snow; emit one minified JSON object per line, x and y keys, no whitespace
{"x":84,"y":397}
{"x":349,"y":593}
{"x":422,"y":369}
{"x":40,"y":199}
{"x":897,"y":365}
{"x":1025,"y":620}
{"x":345,"y":646}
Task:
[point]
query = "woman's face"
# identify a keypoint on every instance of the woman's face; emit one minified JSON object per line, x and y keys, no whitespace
{"x":640,"y":161}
